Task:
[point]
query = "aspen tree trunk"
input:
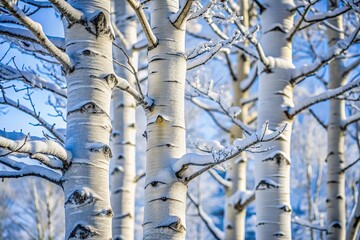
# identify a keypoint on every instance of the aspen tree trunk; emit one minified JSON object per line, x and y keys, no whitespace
{"x":37,"y":211}
{"x":86,"y":183}
{"x":234,"y":224}
{"x":123,"y":171}
{"x":335,"y":182}
{"x":272,"y":174}
{"x":165,"y":194}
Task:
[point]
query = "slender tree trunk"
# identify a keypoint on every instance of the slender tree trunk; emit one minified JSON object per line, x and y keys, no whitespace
{"x":165,"y":194}
{"x":354,"y":222}
{"x":123,"y":171}
{"x":234,"y":224}
{"x":335,"y":182}
{"x":37,"y":212}
{"x":49,"y":203}
{"x":86,"y":183}
{"x":272,"y":174}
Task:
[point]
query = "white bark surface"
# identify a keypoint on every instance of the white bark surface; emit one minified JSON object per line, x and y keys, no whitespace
{"x":272,"y":175}
{"x":123,"y":171}
{"x":86,"y":182}
{"x":165,"y":194}
{"x":335,"y":180}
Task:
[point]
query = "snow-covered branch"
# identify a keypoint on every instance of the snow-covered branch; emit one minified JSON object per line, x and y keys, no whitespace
{"x":15,"y":143}
{"x":223,"y":182}
{"x":207,"y":51}
{"x":23,"y":170}
{"x":339,"y":48}
{"x":151,"y":38}
{"x":305,"y":223}
{"x":350,"y":120}
{"x":216,"y":232}
{"x":241,"y":199}
{"x":182,"y":166}
{"x":71,"y":14}
{"x":36,"y":29}
{"x":181,"y":16}
{"x":291,"y":112}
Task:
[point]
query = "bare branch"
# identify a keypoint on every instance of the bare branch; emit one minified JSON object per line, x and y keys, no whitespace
{"x":179,"y":18}
{"x":350,"y":165}
{"x":317,"y":119}
{"x":51,"y":128}
{"x":151,"y":38}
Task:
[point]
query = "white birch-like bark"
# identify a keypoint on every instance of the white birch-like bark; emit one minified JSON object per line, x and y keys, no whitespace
{"x":354,"y":223}
{"x":89,"y":86}
{"x":335,"y":181}
{"x":123,"y":172}
{"x":165,"y":194}
{"x":234,"y":223}
{"x":272,"y":174}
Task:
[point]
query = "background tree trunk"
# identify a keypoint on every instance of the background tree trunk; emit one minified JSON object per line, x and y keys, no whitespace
{"x":123,"y":171}
{"x":272,"y":174}
{"x":165,"y":194}
{"x":234,"y":223}
{"x":335,"y":187}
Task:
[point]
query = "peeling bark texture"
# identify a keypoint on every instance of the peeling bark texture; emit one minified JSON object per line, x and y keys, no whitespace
{"x":86,"y":183}
{"x":165,"y":194}
{"x":272,"y":175}
{"x":123,"y":170}
{"x":234,"y":223}
{"x":335,"y":178}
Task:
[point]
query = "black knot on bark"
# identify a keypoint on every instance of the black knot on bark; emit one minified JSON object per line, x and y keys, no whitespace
{"x":80,"y":197}
{"x":82,"y":232}
{"x":100,"y":23}
{"x":111,"y":81}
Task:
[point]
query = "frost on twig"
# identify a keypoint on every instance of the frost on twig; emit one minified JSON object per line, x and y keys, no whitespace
{"x":205,"y":51}
{"x":187,"y":167}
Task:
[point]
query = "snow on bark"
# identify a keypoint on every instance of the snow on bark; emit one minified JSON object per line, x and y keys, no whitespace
{"x":165,"y":194}
{"x":335,"y":178}
{"x":123,"y":170}
{"x":272,"y":175}
{"x":89,"y":44}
